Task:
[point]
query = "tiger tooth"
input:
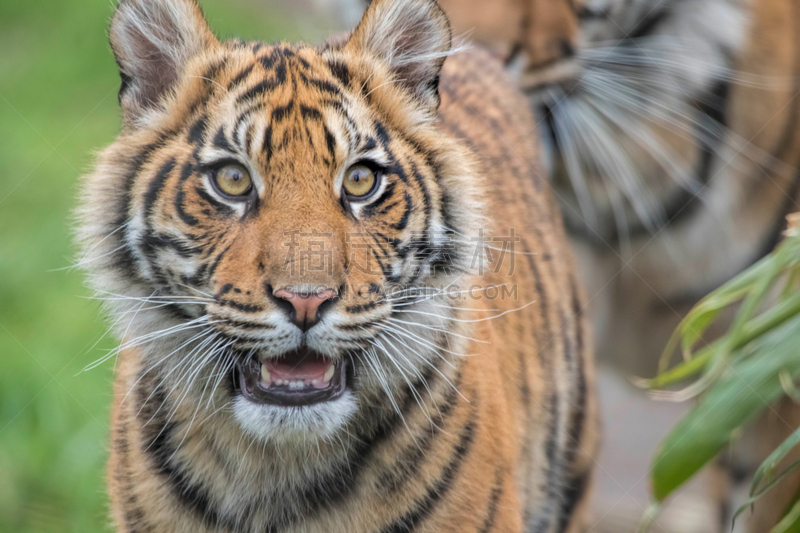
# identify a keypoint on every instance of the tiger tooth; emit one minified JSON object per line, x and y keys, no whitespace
{"x":265,"y":377}
{"x":328,"y":374}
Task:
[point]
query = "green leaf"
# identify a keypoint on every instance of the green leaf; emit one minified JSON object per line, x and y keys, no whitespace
{"x":744,"y":390}
{"x":758,"y":326}
{"x":771,"y":484}
{"x":767,"y":468}
{"x":791,"y":522}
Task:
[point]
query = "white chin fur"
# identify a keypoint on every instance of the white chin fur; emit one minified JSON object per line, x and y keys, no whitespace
{"x":271,"y":422}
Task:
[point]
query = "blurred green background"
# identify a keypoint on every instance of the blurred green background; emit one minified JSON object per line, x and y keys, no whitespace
{"x":58,"y":106}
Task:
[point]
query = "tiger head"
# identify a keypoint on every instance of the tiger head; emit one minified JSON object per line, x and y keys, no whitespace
{"x":633,"y":110}
{"x":269,"y":212}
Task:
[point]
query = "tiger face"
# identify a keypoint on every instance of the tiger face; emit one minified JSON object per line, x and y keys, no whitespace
{"x":268,"y":211}
{"x":633,"y":115}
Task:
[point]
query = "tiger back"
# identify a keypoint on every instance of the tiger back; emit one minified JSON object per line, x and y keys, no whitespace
{"x":343,"y":293}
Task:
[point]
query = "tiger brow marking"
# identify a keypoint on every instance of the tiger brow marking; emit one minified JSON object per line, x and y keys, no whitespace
{"x":197,"y":131}
{"x":340,"y":71}
{"x":266,"y":146}
{"x":322,"y":85}
{"x":270,"y":84}
{"x":280,"y":113}
{"x":244,"y":115}
{"x":310,"y":113}
{"x":239,"y":78}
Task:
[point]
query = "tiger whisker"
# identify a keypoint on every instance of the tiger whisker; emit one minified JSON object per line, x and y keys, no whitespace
{"x":187,"y":356}
{"x":417,"y":398}
{"x":408,"y":334}
{"x":440,"y":330}
{"x":399,"y":339}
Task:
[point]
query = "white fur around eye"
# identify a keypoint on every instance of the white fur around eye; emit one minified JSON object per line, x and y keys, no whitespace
{"x":358,"y":205}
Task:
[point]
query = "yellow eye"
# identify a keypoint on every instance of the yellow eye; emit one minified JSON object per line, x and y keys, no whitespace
{"x":233,"y":180}
{"x":359,"y":181}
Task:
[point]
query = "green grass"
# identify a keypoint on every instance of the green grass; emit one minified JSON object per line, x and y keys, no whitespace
{"x":734,"y":377}
{"x":58,"y":106}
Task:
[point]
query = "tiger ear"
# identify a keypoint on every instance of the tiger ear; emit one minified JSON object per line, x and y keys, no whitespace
{"x":412,"y":37}
{"x":152,"y":41}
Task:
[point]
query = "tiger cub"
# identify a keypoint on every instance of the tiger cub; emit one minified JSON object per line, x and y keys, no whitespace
{"x":342,"y":288}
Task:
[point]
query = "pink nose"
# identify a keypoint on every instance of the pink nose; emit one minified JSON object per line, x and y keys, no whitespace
{"x":305,"y":305}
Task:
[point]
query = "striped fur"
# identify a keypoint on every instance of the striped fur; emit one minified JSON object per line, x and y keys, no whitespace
{"x":462,"y":413}
{"x":672,"y":130}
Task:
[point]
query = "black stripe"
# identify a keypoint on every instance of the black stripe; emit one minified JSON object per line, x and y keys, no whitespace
{"x":360,"y":308}
{"x":123,"y":257}
{"x":412,"y":459}
{"x":267,"y":145}
{"x":280,"y":113}
{"x":246,"y":325}
{"x":310,"y":113}
{"x":239,"y":78}
{"x":134,"y":516}
{"x":553,"y":480}
{"x":438,"y":490}
{"x":402,"y":224}
{"x":373,"y":207}
{"x":156,"y":434}
{"x":494,"y":498}
{"x":152,"y":241}
{"x":324,"y":86}
{"x":340,"y":71}
{"x":648,"y":25}
{"x":330,"y":142}
{"x":180,"y":197}
{"x":156,"y":186}
{"x":245,"y":308}
{"x":573,"y":493}
{"x":217,"y":261}
{"x":578,"y":414}
{"x":197,"y":131}
{"x":264,"y":86}
{"x":221,"y":140}
{"x":219,"y":206}
{"x":244,"y":115}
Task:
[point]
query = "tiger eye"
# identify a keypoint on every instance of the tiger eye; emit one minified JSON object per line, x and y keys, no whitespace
{"x":359,"y":181}
{"x":233,"y":180}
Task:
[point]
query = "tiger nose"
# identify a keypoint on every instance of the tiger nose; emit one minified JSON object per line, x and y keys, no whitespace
{"x":307,"y":307}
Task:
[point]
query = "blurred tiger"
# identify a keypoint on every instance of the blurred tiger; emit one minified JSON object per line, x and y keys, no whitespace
{"x":301,"y":248}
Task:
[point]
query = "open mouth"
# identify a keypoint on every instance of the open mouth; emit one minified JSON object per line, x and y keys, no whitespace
{"x":302,"y":377}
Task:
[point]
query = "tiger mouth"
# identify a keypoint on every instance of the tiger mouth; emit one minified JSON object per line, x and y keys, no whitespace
{"x":299,"y":378}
